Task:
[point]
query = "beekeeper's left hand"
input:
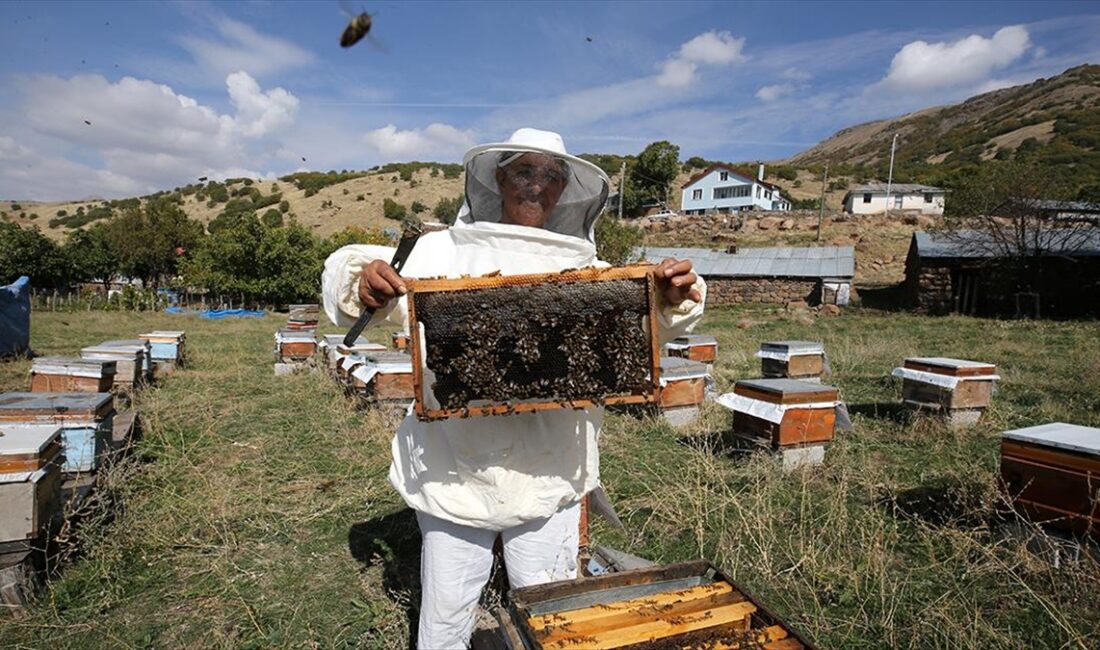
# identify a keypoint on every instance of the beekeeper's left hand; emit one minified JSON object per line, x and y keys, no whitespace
{"x":675,"y":279}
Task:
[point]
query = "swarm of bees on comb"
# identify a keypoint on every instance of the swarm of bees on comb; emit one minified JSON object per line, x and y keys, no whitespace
{"x":554,"y":342}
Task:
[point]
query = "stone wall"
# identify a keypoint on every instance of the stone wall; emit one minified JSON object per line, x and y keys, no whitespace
{"x":736,"y":291}
{"x":933,"y":289}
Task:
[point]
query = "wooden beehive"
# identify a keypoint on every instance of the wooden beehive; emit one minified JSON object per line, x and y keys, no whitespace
{"x":506,"y":344}
{"x":166,"y":345}
{"x":148,"y":369}
{"x":28,"y":447}
{"x":386,"y":376}
{"x":696,"y":347}
{"x":686,"y":605}
{"x":792,"y":359}
{"x":64,"y":374}
{"x":86,"y":420}
{"x":29,"y":478}
{"x":129,"y":363}
{"x":1052,"y":474}
{"x":683,"y":382}
{"x":401,"y":341}
{"x":303,"y":317}
{"x":294,"y":345}
{"x":973,"y":385}
{"x":785,"y":412}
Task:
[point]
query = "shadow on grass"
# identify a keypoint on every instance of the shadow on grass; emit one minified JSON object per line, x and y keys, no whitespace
{"x":721,"y":443}
{"x":947,"y":502}
{"x":889,"y":297}
{"x":394,"y":540}
{"x":893,"y":411}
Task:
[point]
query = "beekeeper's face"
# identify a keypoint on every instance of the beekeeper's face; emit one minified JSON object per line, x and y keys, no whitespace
{"x":530,"y":187}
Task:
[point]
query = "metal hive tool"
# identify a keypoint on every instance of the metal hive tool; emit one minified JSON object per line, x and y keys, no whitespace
{"x":506,"y":344}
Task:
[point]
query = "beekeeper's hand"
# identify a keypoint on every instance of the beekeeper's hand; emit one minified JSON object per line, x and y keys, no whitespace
{"x":675,"y":279}
{"x":379,"y":283}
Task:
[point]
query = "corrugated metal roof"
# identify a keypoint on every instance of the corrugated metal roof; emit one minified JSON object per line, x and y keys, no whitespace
{"x":896,"y":188}
{"x":971,"y":244}
{"x":787,"y":262}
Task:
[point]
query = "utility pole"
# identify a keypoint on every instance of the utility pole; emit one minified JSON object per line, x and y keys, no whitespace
{"x":890,"y":177}
{"x":622,"y":186}
{"x":821,"y":207}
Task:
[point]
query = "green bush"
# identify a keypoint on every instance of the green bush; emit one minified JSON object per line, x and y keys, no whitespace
{"x":393,"y":210}
{"x":61,"y":213}
{"x":316,"y":181}
{"x":417,"y":207}
{"x":617,"y":241}
{"x":446,"y":211}
{"x":15,"y":207}
{"x":272,"y":218}
{"x":360,"y":197}
{"x":346,"y":192}
{"x":310,"y":191}
{"x":284,"y":206}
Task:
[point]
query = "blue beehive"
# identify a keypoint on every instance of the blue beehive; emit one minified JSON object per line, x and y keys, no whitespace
{"x":85,"y":419}
{"x":165,"y":345}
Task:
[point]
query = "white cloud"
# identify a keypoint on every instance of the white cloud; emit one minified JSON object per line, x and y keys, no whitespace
{"x":146,"y":135}
{"x":921,"y":65}
{"x":240,"y":47}
{"x":772,"y":93}
{"x":796,"y":74}
{"x":708,"y":48}
{"x":435,"y":142}
{"x":714,"y":48}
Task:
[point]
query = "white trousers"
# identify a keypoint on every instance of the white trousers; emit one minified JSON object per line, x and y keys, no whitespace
{"x":456,"y":560}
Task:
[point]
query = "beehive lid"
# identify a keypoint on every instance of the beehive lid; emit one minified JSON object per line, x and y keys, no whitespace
{"x":17,"y":406}
{"x":163,"y":336}
{"x":295,"y":336}
{"x":388,"y":357}
{"x":361,"y":345}
{"x":793,"y":348}
{"x":27,"y":439}
{"x":1070,"y":437}
{"x":678,"y":368}
{"x":73,"y":366}
{"x":694,"y":340}
{"x":113,"y":353}
{"x":952,"y":367}
{"x":785,"y":391}
{"x":126,"y":343}
{"x":305,"y":307}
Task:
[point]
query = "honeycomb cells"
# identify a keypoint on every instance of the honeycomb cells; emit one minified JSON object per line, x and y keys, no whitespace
{"x":555,"y":341}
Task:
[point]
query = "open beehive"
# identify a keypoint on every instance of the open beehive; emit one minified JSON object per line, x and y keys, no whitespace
{"x":792,"y":359}
{"x":938,"y":383}
{"x":507,"y":344}
{"x":782,"y":412}
{"x":696,"y":347}
{"x":1052,"y":475}
{"x":86,"y":421}
{"x":687,"y":605}
{"x":64,"y":374}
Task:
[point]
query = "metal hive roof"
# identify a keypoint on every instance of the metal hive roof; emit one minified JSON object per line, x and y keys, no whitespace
{"x":789,"y":262}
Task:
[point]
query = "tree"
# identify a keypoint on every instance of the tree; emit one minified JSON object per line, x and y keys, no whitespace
{"x":446,"y":211}
{"x":89,"y":256}
{"x":393,"y":210}
{"x":149,"y":240}
{"x":616,"y":241}
{"x":655,"y":170}
{"x":26,"y":251}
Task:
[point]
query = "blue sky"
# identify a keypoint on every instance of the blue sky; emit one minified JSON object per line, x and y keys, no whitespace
{"x":179,"y":90}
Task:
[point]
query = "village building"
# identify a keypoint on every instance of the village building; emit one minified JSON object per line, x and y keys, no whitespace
{"x":777,"y":275}
{"x":964,"y":272}
{"x":904,"y":197}
{"x":720,"y":189}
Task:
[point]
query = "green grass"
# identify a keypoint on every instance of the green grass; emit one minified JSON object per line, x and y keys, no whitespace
{"x":259,"y":514}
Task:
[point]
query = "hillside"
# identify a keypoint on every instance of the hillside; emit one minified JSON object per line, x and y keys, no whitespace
{"x":1054,"y":122}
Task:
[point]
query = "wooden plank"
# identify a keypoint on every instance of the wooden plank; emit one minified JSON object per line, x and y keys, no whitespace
{"x":1064,"y":497}
{"x":820,"y":394}
{"x":732,"y":617}
{"x":611,"y":618}
{"x":1051,"y":456}
{"x":964,"y":371}
{"x":657,"y":600}
{"x":683,"y":392}
{"x":528,"y":596}
{"x":630,"y":272}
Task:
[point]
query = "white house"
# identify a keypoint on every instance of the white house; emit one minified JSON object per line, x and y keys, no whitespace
{"x":904,"y":197}
{"x":722,"y":189}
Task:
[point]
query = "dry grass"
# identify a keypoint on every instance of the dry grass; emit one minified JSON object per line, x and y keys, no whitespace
{"x":259,"y":514}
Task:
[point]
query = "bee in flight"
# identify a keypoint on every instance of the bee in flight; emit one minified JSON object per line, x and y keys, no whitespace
{"x":358,"y":26}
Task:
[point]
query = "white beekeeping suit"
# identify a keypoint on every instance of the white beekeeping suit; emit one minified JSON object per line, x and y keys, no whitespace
{"x":520,"y":475}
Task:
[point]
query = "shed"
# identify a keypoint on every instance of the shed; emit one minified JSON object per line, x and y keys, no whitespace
{"x":770,"y":274}
{"x":970,"y":272}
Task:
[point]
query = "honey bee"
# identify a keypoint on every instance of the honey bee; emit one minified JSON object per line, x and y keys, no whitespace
{"x":358,"y":26}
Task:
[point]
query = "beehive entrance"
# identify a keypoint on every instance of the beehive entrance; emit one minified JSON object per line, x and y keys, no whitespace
{"x":554,"y":340}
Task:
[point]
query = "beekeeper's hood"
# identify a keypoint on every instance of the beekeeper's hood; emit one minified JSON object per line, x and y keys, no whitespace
{"x":579,"y":206}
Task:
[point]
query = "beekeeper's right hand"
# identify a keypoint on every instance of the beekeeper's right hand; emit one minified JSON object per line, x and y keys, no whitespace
{"x":379,"y":283}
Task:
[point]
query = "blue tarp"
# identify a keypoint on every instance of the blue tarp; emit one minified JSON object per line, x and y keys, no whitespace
{"x":15,"y":317}
{"x":218,"y":314}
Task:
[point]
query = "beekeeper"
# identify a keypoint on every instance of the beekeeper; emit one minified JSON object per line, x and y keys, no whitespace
{"x":530,"y":208}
